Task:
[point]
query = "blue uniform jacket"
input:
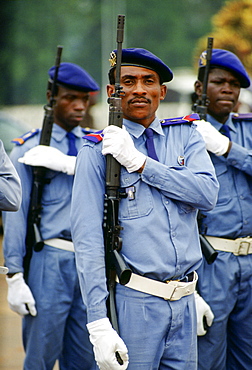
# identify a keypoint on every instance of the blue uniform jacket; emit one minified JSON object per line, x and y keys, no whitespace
{"x":160,"y":238}
{"x":56,"y":199}
{"x":231,"y":218}
{"x":10,"y":186}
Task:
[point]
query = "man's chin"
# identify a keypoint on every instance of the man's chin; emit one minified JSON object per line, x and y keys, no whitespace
{"x":75,"y":122}
{"x":226,"y":106}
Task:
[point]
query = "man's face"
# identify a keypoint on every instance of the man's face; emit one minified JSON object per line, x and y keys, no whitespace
{"x":223,"y":91}
{"x":70,"y":107}
{"x":143,"y":93}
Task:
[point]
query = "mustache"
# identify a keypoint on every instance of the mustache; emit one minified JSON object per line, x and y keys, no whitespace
{"x":141,"y":98}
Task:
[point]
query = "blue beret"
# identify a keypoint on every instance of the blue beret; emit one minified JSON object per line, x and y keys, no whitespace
{"x":74,"y":77}
{"x":227,"y":60}
{"x":143,"y":58}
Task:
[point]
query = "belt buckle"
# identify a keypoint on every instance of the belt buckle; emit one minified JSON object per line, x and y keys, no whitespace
{"x":243,"y":249}
{"x":174,"y":288}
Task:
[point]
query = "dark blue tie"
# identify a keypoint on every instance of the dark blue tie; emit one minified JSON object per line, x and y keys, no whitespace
{"x":150,"y":144}
{"x":225,"y":130}
{"x":71,"y":144}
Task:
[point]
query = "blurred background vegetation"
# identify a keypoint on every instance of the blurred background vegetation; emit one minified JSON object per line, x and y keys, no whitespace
{"x":176,"y":31}
{"x":31,"y":31}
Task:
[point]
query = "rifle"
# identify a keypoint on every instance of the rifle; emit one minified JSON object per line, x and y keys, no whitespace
{"x":33,"y":236}
{"x":115,"y":264}
{"x":200,"y":107}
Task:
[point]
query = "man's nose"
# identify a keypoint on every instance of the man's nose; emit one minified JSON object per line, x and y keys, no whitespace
{"x":139,"y":88}
{"x":79,"y":104}
{"x":227,"y":87}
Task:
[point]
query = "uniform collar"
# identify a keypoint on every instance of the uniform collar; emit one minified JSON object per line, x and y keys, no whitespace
{"x":58,"y":133}
{"x":218,"y":125}
{"x":137,"y":130}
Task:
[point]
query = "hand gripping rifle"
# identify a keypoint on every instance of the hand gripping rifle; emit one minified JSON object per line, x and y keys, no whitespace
{"x":115,"y":264}
{"x":33,"y":236}
{"x":200,"y":107}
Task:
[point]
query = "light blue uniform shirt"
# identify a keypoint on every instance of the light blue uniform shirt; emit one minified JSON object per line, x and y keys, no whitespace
{"x":231,"y":218}
{"x":10,"y":186}
{"x":56,"y":201}
{"x":160,"y":238}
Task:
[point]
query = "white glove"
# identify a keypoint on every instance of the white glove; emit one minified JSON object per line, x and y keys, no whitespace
{"x":106,"y":343}
{"x":49,"y":157}
{"x":203,"y":310}
{"x":215,"y":141}
{"x":117,"y":141}
{"x":19,"y":296}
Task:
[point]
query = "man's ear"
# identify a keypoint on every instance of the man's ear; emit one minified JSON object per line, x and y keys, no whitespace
{"x":48,"y":94}
{"x":110,"y":90}
{"x":198,"y":87}
{"x":163,"y":92}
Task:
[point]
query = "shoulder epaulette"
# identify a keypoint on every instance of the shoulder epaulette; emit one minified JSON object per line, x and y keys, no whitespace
{"x":178,"y":120}
{"x":95,"y":137}
{"x":88,"y":130}
{"x":22,"y":139}
{"x":242,"y":116}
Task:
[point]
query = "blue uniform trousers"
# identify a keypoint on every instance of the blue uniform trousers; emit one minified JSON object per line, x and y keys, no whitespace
{"x":226,"y":286}
{"x":159,"y":334}
{"x":59,"y":329}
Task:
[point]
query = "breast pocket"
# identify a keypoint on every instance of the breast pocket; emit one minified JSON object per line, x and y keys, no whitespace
{"x":57,"y":189}
{"x":137,"y":201}
{"x":225,"y":181}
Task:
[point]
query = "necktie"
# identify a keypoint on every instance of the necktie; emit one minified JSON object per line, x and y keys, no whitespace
{"x":150,"y":144}
{"x":225,"y":130}
{"x":71,"y":144}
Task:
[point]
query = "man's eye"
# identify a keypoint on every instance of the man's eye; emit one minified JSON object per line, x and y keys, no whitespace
{"x":236,"y":84}
{"x":127,"y":82}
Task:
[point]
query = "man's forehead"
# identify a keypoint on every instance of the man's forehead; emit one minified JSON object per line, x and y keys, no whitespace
{"x":65,"y":91}
{"x":223,"y":72}
{"x":137,"y":71}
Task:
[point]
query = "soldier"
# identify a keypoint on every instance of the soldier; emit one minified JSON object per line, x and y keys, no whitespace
{"x":54,"y":316}
{"x":160,"y":237}
{"x":225,"y":285}
{"x":11,"y":192}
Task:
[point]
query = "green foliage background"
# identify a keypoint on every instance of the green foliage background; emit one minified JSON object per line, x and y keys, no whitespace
{"x":31,"y":31}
